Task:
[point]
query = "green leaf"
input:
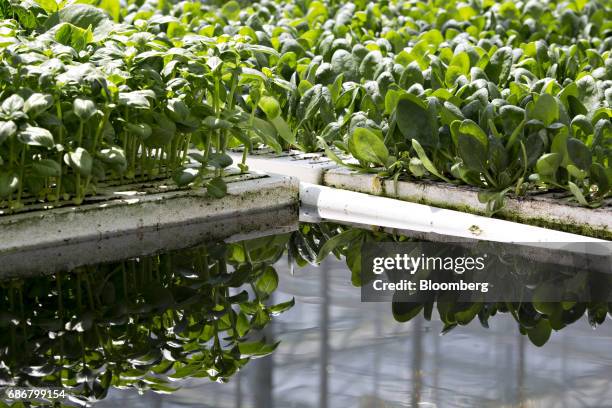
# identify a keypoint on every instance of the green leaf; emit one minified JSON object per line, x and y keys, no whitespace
{"x":281,"y":307}
{"x":267,"y":132}
{"x":416,"y":167}
{"x":256,"y":349}
{"x":542,"y":299}
{"x":495,"y":200}
{"x":576,"y":172}
{"x":515,"y":134}
{"x":579,"y":154}
{"x":472,"y":152}
{"x":412,"y":75}
{"x":450,"y":113}
{"x":80,"y":15}
{"x":80,"y":160}
{"x":141,"y":130}
{"x":472,"y":146}
{"x":214,"y":123}
{"x":270,"y":106}
{"x":304,"y":86}
{"x":312,"y":101}
{"x":73,"y":36}
{"x":231,"y":10}
{"x":219,"y":160}
{"x":548,"y":164}
{"x":50,"y":6}
{"x":546,"y":109}
{"x":366,"y":146}
{"x":184,"y":176}
{"x":498,"y":68}
{"x":426,"y":162}
{"x":8,"y":184}
{"x":414,"y":121}
{"x":499,"y":159}
{"x":36,"y":136}
{"x":581,"y":124}
{"x":325,"y":74}
{"x":84,"y":108}
{"x":242,"y":325}
{"x":13,"y":103}
{"x":23,"y":12}
{"x":136,"y":99}
{"x":7,"y":129}
{"x":178,"y":110}
{"x":470,"y":128}
{"x":353,"y":257}
{"x":114,"y":157}
{"x":216,"y":187}
{"x":337,"y":242}
{"x":163,"y":129}
{"x":559,"y":145}
{"x":540,"y":334}
{"x":588,"y":91}
{"x":112,"y":7}
{"x":37,"y":103}
{"x":267,"y":282}
{"x":331,"y":155}
{"x":577,"y":192}
{"x":369,"y":65}
{"x":343,"y":62}
{"x":47,"y":168}
{"x":283,"y":130}
{"x":459,"y":65}
{"x":405,"y":311}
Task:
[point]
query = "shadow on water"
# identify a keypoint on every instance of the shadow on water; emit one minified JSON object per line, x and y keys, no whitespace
{"x":171,"y":330}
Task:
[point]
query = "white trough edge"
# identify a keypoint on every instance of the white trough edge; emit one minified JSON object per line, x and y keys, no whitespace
{"x":135,"y":213}
{"x":68,"y":256}
{"x":317,"y":169}
{"x":360,"y":208}
{"x":309,"y":168}
{"x":554,"y":212}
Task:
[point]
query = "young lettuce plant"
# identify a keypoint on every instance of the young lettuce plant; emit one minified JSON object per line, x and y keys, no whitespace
{"x":576,"y":162}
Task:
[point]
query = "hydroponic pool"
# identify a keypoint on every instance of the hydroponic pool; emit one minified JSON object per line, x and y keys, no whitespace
{"x":142,"y":251}
{"x":183,"y":323}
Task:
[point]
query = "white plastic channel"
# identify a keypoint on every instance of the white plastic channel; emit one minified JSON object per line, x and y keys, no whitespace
{"x":352,"y":207}
{"x":308,"y":168}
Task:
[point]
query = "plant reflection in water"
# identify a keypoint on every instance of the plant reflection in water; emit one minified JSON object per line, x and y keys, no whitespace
{"x":536,"y":318}
{"x":141,"y":323}
{"x":150,"y":322}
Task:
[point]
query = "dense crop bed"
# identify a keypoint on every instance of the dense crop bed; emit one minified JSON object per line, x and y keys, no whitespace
{"x":506,"y":96}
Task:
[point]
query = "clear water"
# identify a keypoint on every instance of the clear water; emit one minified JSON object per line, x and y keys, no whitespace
{"x":336,"y":351}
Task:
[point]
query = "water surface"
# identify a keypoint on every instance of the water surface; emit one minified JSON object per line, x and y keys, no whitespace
{"x":335,"y":350}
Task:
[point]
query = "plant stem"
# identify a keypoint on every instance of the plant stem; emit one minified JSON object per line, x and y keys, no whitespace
{"x":186,"y":149}
{"x":94,"y":146}
{"x":21,"y":174}
{"x":58,"y":109}
{"x":77,"y":186}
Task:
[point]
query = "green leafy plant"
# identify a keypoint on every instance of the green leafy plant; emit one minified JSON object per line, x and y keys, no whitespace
{"x":451,"y":95}
{"x":487,"y":94}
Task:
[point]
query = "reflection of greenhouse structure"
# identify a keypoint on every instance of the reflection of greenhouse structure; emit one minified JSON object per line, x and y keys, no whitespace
{"x":338,"y":352}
